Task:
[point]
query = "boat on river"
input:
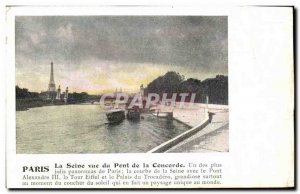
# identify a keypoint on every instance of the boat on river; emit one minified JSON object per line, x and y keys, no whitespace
{"x":131,"y":115}
{"x":134,"y":113}
{"x":168,"y":115}
{"x":162,"y":114}
{"x":115,"y":115}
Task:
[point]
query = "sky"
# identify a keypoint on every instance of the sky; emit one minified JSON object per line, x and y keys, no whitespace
{"x":97,"y":54}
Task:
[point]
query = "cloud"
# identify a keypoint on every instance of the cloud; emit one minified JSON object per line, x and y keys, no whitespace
{"x":65,"y":32}
{"x":89,"y":43}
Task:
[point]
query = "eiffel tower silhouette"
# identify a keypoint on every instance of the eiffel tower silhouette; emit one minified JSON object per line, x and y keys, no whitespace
{"x":51,"y":86}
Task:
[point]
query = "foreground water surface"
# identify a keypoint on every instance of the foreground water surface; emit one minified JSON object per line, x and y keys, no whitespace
{"x":82,"y":129}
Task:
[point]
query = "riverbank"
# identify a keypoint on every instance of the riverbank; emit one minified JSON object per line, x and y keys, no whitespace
{"x":206,"y":134}
{"x":212,"y":138}
{"x":27,"y":103}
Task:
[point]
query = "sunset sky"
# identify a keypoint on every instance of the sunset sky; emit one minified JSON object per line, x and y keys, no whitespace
{"x":97,"y":54}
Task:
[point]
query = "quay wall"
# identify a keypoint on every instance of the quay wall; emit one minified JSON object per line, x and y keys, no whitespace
{"x":200,"y":105}
{"x":197,"y":117}
{"x":213,"y":106}
{"x":172,"y":142}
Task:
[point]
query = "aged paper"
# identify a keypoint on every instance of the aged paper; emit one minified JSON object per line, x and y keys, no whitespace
{"x":150,"y":97}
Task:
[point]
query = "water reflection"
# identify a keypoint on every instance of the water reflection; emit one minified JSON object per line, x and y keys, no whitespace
{"x":82,"y":129}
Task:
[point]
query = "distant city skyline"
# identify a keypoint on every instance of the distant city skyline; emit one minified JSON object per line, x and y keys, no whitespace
{"x":98,"y":54}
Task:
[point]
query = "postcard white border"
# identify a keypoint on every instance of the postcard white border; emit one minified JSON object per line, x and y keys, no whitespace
{"x":256,"y":155}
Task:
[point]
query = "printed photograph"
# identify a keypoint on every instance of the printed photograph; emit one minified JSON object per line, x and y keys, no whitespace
{"x":121,"y":84}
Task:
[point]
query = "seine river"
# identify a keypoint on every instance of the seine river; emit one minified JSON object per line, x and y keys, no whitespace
{"x":82,"y":129}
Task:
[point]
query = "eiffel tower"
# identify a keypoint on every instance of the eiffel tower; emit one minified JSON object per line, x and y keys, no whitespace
{"x":51,"y":86}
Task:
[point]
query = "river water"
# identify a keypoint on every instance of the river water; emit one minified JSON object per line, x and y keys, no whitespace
{"x":82,"y":129}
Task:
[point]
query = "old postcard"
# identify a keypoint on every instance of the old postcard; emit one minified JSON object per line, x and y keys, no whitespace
{"x":141,"y":97}
{"x":120,"y":79}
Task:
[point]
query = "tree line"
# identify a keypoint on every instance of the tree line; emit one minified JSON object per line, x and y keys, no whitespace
{"x":24,"y":93}
{"x":172,"y":82}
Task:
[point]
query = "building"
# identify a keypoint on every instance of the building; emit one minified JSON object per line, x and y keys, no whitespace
{"x":52,"y":93}
{"x":142,"y":91}
{"x":62,"y":96}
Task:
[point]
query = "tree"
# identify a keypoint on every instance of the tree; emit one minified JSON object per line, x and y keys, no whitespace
{"x":165,"y":84}
{"x":215,"y":88}
{"x":22,"y":93}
